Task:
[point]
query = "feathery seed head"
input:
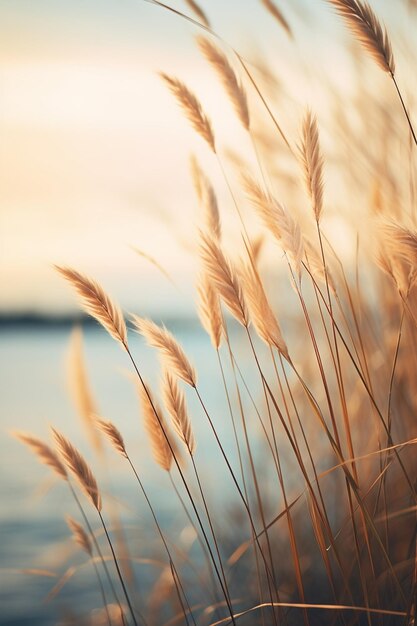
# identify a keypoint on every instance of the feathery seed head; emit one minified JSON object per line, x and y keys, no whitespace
{"x":277,"y":220}
{"x":365,"y":26}
{"x":192,"y":108}
{"x":78,"y":466}
{"x":199,"y":12}
{"x":223,"y":276}
{"x":312,"y":162}
{"x":80,"y":388}
{"x":207,"y":198}
{"x":209,"y":310}
{"x":44,"y":453}
{"x":172,"y":353}
{"x":113,"y":435}
{"x":227,"y":75}
{"x":174,"y":400}
{"x":79,"y":534}
{"x":261,"y":314}
{"x":97,"y":303}
{"x":156,"y":428}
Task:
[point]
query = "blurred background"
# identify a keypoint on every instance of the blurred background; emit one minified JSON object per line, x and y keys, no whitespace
{"x":94,"y":163}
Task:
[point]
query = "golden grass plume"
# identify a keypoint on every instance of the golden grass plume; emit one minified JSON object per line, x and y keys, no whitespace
{"x":207,"y":196}
{"x":79,"y":534}
{"x":209,"y":310}
{"x":224,"y":277}
{"x":198,"y":11}
{"x":260,"y":311}
{"x":232,"y":85}
{"x":113,"y":435}
{"x":192,"y":108}
{"x":44,"y":453}
{"x":365,"y":26}
{"x":277,"y":220}
{"x":172,"y":353}
{"x":80,"y":387}
{"x":79,"y":467}
{"x":174,"y":400}
{"x":277,"y":14}
{"x":155,"y":426}
{"x":97,"y":303}
{"x":312,"y":161}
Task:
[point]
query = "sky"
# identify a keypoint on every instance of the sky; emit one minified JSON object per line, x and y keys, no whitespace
{"x":94,"y":154}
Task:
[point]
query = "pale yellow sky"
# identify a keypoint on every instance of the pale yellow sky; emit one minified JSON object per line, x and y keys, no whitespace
{"x":94,"y":153}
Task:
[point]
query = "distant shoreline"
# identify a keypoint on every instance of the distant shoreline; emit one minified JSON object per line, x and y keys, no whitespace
{"x":41,"y":320}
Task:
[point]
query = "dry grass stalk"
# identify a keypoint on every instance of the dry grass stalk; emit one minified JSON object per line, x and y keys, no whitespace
{"x":159,"y":445}
{"x":171,"y":351}
{"x":113,"y":435}
{"x":316,"y":267}
{"x":44,"y":453}
{"x":277,"y":220}
{"x":154,"y":262}
{"x":224,"y":277}
{"x":79,"y":534}
{"x":209,"y":311}
{"x":312,"y":161}
{"x":78,"y":466}
{"x":366,"y":27}
{"x":198,"y":12}
{"x":261,"y":314}
{"x":80,"y":388}
{"x":207,"y":196}
{"x":228,"y":77}
{"x":97,"y":303}
{"x":174,"y":400}
{"x":277,"y":14}
{"x":192,"y":108}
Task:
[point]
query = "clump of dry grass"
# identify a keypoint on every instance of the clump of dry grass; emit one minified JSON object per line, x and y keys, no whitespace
{"x":317,"y":525}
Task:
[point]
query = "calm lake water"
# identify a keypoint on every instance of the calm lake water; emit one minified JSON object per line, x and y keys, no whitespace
{"x":34,"y":395}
